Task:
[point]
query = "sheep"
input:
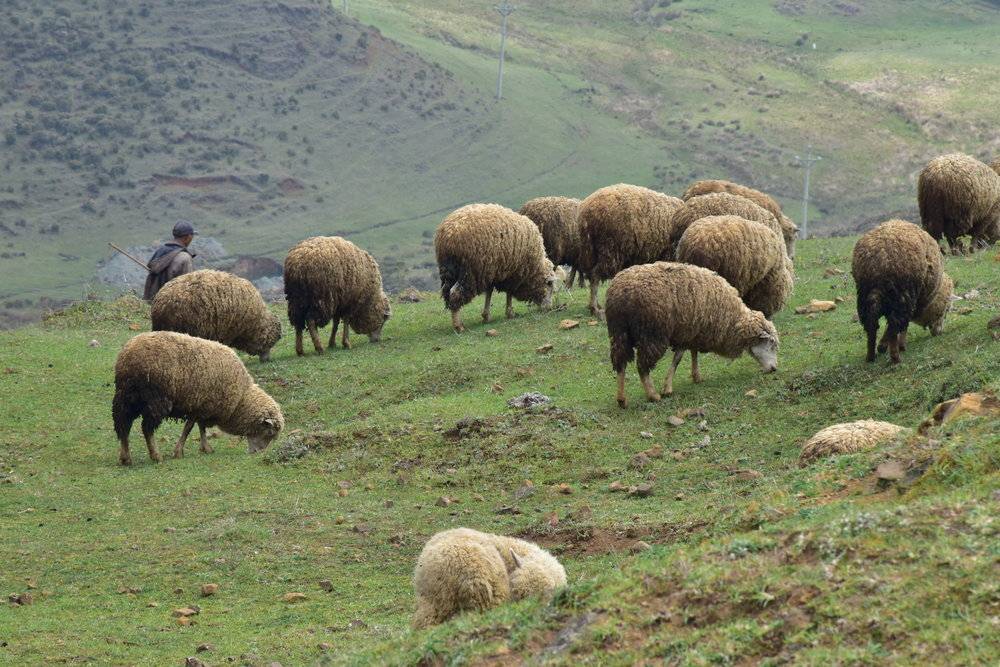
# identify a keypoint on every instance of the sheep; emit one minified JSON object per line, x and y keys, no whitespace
{"x":995,"y":165}
{"x":168,"y":375}
{"x":848,"y":438}
{"x":788,"y":229}
{"x":747,"y":254}
{"x":556,"y":218}
{"x":653,"y":307}
{"x":718,"y":203}
{"x":328,"y":278}
{"x":466,"y":570}
{"x":958,"y":195}
{"x":217,"y":306}
{"x":621,"y":226}
{"x":486,"y":247}
{"x":898,"y":272}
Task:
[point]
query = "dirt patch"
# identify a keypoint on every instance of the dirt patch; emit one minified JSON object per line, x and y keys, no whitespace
{"x":291,"y":186}
{"x":201,"y":182}
{"x":591,"y":541}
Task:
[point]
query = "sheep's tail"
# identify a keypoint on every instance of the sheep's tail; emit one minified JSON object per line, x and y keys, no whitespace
{"x":453,"y":289}
{"x":870,"y":305}
{"x":120,"y":414}
{"x":622,"y":345}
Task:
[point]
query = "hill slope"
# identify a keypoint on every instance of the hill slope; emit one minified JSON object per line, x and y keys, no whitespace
{"x":754,"y":558}
{"x":271,"y":121}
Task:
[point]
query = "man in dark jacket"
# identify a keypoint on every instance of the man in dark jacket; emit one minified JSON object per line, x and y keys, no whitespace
{"x":170,"y":260}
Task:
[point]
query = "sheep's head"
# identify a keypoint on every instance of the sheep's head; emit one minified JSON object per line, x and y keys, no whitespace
{"x":550,"y":283}
{"x":934,"y":314}
{"x":764,"y":346}
{"x":272,"y":334}
{"x":382,"y":311}
{"x":265,"y":431}
{"x":531,"y":577}
{"x":371,"y":319}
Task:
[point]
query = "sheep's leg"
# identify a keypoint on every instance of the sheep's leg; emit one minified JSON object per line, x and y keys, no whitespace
{"x":572,"y":277}
{"x":622,"y":401}
{"x":344,"y":340}
{"x":147,"y":432}
{"x":486,"y":305}
{"x":595,"y":308}
{"x":695,"y":371}
{"x":298,"y":342}
{"x":314,"y":334}
{"x":892,"y":332}
{"x":883,"y":344}
{"x":647,"y":384}
{"x":123,"y":454}
{"x":456,"y":322}
{"x":510,"y":306}
{"x":582,"y":279}
{"x":179,"y":447}
{"x":668,"y":383}
{"x":204,"y":447}
{"x":333,"y":333}
{"x":902,"y":340}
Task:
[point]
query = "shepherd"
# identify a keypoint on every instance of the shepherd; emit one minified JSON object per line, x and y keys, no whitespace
{"x":170,"y":260}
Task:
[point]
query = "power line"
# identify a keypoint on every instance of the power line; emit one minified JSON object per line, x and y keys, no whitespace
{"x":505,"y":9}
{"x":808,"y":161}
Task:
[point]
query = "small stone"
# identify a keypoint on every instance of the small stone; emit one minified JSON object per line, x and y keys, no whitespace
{"x":832,"y":271}
{"x":678,"y":496}
{"x":639,"y":462}
{"x":838,"y":299}
{"x":388,"y":503}
{"x":509,"y":509}
{"x":326,"y":585}
{"x":410,"y":295}
{"x":751,"y":393}
{"x":294,"y":598}
{"x":968,"y":310}
{"x":748,"y":475}
{"x":344,"y":484}
{"x":361,"y":529}
{"x":184,"y":612}
{"x":654,"y":452}
{"x":23,"y":599}
{"x":443,"y":501}
{"x":616,"y":487}
{"x":592,"y":323}
{"x":193,"y":662}
{"x":545,"y":349}
{"x":994,"y":323}
{"x":169,"y":529}
{"x":674,"y":420}
{"x":325,"y":646}
{"x":339,"y":520}
{"x":641,"y":490}
{"x":890,"y":471}
{"x":183,"y":621}
{"x":497,"y":388}
{"x":178,"y":591}
{"x":640,"y":546}
{"x":478,"y":497}
{"x":703,"y":425}
{"x":342,"y":493}
{"x":94,"y":343}
{"x":134,"y":327}
{"x":209,"y":589}
{"x":646,"y":434}
{"x":566,"y":325}
{"x":971,"y":294}
{"x":369,"y":486}
{"x":564,"y":488}
{"x":492,"y":333}
{"x":816,"y":306}
{"x":152,"y":605}
{"x":205,"y":648}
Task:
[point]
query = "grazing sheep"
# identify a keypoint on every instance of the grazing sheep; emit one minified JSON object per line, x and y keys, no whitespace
{"x":621,"y":226}
{"x":995,"y":165}
{"x":556,"y":218}
{"x":747,"y":254}
{"x":788,"y":229}
{"x":486,"y":247}
{"x":655,"y":307}
{"x":328,"y":278}
{"x":466,"y":570}
{"x":718,"y":203}
{"x":217,"y":306}
{"x":898,"y":271}
{"x":958,"y":196}
{"x":167,"y":375}
{"x":848,"y":438}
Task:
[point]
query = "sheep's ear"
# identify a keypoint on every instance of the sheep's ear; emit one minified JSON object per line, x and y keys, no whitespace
{"x":517,"y":561}
{"x":269,"y":422}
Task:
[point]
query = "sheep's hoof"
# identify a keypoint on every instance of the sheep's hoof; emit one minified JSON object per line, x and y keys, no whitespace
{"x":207,"y":449}
{"x":696,"y":379}
{"x":300,"y":353}
{"x":178,"y":454}
{"x":653,"y":398}
{"x":347,"y":345}
{"x":125,"y":461}
{"x":510,"y":314}
{"x":459,"y":329}
{"x":882,"y":348}
{"x":486,"y":318}
{"x":157,"y":458}
{"x":622,"y":403}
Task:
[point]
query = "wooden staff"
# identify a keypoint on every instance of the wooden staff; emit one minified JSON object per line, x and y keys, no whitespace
{"x":137,"y":261}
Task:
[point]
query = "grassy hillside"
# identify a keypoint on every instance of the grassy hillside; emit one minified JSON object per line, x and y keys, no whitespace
{"x":753,"y":560}
{"x":267,"y":122}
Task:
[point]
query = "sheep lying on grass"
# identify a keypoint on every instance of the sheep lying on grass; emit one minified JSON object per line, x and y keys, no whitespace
{"x":329,"y":278}
{"x":486,"y":247}
{"x":899,"y":275}
{"x":959,"y":196}
{"x":621,"y":226}
{"x":848,"y":438}
{"x":556,"y":218}
{"x":217,"y":306}
{"x":466,"y":570}
{"x":166,"y":375}
{"x":765,"y":201}
{"x":655,"y":307}
{"x":747,"y":254}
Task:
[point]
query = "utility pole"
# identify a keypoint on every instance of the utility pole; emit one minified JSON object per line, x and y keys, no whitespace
{"x":808,"y":161}
{"x":505,"y":9}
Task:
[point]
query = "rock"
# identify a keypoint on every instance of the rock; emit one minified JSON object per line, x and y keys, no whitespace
{"x":325,"y":646}
{"x":646,"y":434}
{"x":678,"y":496}
{"x":410,"y":295}
{"x":838,"y":299}
{"x":816,"y":306}
{"x":152,"y":605}
{"x":184,"y":612}
{"x":205,"y":648}
{"x":21,"y":599}
{"x":294,"y":598}
{"x":971,"y":294}
{"x":564,"y":488}
{"x":747,"y":475}
{"x":545,"y":349}
{"x":654,"y":452}
{"x":890,"y":471}
{"x":994,"y":323}
{"x":512,"y":510}
{"x":675,"y":421}
{"x":566,"y":325}
{"x":342,"y":493}
{"x":529,"y":400}
{"x":640,"y":546}
{"x":641,"y":490}
{"x":443,"y":501}
{"x":478,"y":497}
{"x":178,"y":591}
{"x":209,"y":589}
{"x":639,"y":462}
{"x":751,"y":393}
{"x":326,"y":585}
{"x":832,"y":271}
{"x":339,"y":520}
{"x":497,"y":388}
{"x":974,"y":404}
{"x":362,"y":529}
{"x":94,"y":343}
{"x":134,"y":327}
{"x":968,"y":310}
{"x":592,"y":323}
{"x":194,"y":662}
{"x":492,"y":333}
{"x":616,"y":487}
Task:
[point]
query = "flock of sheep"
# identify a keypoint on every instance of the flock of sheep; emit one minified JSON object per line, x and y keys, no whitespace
{"x":705,"y":273}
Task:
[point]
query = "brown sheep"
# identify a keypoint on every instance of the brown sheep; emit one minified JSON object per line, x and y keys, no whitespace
{"x":217,"y":306}
{"x":621,"y":226}
{"x":899,"y":274}
{"x":747,"y":254}
{"x":959,"y":196}
{"x":765,"y":201}
{"x":328,"y":278}
{"x":556,"y":218}
{"x":995,"y":165}
{"x":167,"y":375}
{"x":718,"y":203}
{"x":486,"y":247}
{"x":655,"y":307}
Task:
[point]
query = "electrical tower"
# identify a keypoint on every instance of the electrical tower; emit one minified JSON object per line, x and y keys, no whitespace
{"x":808,"y":161}
{"x":505,"y":9}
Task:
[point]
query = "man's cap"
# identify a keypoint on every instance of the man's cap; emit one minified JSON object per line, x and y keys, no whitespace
{"x":184,"y":228}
